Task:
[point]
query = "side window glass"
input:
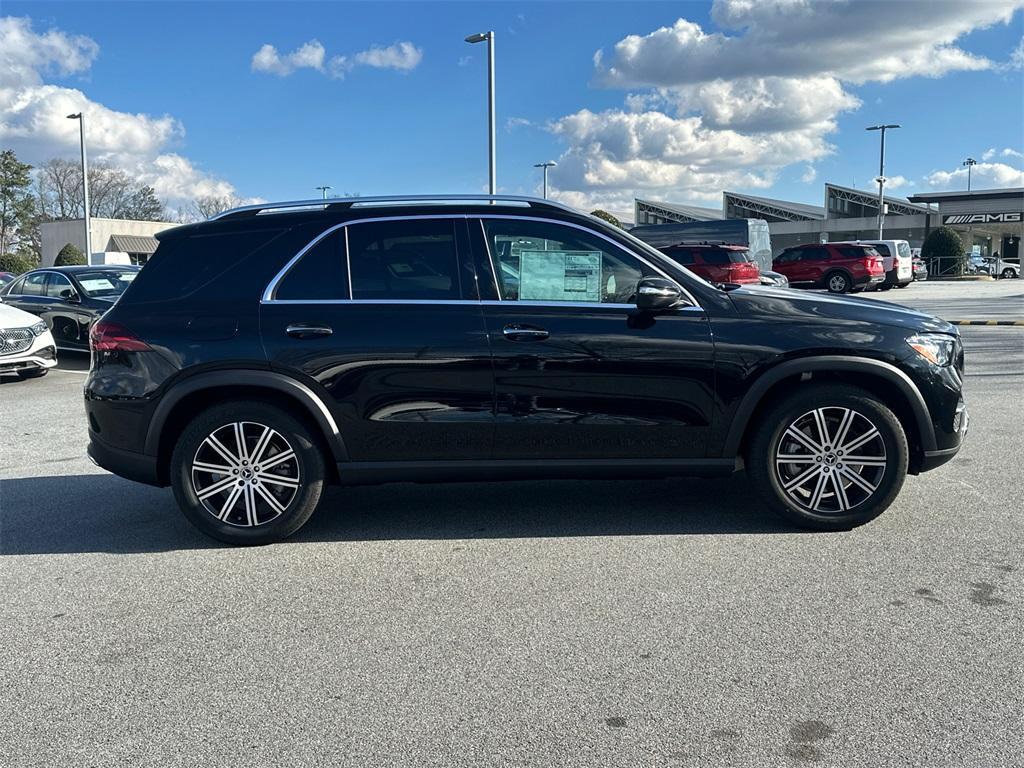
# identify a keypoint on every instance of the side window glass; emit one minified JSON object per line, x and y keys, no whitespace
{"x":413,"y":259}
{"x":319,"y":275}
{"x":34,"y":284}
{"x":788,"y":257}
{"x":17,"y":288}
{"x":57,"y":284}
{"x":883,"y":250}
{"x":540,"y":261}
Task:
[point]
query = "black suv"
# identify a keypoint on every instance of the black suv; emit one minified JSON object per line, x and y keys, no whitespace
{"x":274,"y":349}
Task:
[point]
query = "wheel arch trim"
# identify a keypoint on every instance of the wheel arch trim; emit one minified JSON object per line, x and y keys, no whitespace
{"x":883,"y":370}
{"x":272,"y":380}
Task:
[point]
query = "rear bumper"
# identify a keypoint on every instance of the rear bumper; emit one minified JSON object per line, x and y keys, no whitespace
{"x":127,"y":464}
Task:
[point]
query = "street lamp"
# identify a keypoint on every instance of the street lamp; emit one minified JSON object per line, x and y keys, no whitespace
{"x":881,"y":175}
{"x":324,"y":189}
{"x":545,"y":165}
{"x":480,"y":37}
{"x":80,"y":117}
{"x":969,"y":162}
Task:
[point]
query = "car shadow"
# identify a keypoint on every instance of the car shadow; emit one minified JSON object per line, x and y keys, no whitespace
{"x":103,"y":513}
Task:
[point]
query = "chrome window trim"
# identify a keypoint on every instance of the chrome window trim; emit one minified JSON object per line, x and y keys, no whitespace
{"x":268,"y":293}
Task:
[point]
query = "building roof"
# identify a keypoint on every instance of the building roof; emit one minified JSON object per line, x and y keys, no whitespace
{"x":132,"y":244}
{"x":693,"y":212}
{"x":783,"y":209}
{"x":869,"y":198}
{"x":974,"y":194}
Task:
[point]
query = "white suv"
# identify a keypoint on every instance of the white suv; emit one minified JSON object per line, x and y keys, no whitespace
{"x":26,"y":345}
{"x":897,"y":261}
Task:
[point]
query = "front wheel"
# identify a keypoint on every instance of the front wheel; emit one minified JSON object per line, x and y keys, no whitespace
{"x":838,"y":282}
{"x":829,"y":458}
{"x":247,"y":473}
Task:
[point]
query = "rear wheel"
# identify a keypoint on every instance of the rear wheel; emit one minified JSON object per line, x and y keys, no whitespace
{"x":830,"y":458}
{"x":247,"y":473}
{"x":1008,"y":273}
{"x":838,"y":282}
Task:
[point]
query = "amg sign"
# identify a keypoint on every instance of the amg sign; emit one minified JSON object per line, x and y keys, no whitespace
{"x":983,"y":218}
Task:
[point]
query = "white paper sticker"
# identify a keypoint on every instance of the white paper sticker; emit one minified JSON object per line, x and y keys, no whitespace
{"x":560,"y":276}
{"x":96,"y":284}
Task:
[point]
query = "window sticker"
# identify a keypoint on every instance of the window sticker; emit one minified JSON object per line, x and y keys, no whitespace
{"x":560,"y":276}
{"x":97,"y":284}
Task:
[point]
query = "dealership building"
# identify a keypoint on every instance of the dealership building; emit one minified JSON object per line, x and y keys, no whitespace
{"x":992,"y":219}
{"x":134,"y":238}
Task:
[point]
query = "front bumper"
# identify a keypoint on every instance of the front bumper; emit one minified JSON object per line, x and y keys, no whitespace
{"x":42,"y":354}
{"x":961,"y":422}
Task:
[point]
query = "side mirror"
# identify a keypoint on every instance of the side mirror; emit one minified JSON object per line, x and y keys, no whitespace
{"x":70,"y":296}
{"x":657,"y":293}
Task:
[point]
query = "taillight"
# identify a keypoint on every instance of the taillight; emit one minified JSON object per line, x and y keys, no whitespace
{"x":106,"y":336}
{"x":747,"y":272}
{"x":875,"y":265}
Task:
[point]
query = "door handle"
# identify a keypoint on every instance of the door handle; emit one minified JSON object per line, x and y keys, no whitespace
{"x":518,"y":332}
{"x":303,"y":331}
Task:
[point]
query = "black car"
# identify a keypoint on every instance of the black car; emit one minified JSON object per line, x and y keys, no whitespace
{"x":69,"y":299}
{"x":275,"y":349}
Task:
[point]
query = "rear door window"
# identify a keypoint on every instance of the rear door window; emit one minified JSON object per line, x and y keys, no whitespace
{"x":58,"y":283}
{"x":320,"y":275}
{"x":415,"y":259}
{"x":34,"y":284}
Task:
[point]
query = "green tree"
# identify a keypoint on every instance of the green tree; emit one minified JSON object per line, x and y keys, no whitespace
{"x":607,"y":217}
{"x":943,"y":252}
{"x":14,"y":263}
{"x":69,"y":256}
{"x":17,"y":204}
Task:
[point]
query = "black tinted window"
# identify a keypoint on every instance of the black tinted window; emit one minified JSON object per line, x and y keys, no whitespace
{"x":57,"y":284}
{"x":814,"y":254}
{"x":320,"y":274}
{"x":853,"y":252}
{"x":788,"y":257}
{"x":413,"y":259}
{"x":883,"y":250}
{"x":682,"y":256}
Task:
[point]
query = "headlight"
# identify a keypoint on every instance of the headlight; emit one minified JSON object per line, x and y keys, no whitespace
{"x":38,"y":329}
{"x":936,"y":348}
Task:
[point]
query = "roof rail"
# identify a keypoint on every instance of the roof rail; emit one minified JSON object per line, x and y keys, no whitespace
{"x":389,"y":200}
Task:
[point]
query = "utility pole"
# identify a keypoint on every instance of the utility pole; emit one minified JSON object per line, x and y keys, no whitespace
{"x":323,"y":189}
{"x":480,"y":37}
{"x":80,"y":117}
{"x":545,"y":165}
{"x":970,"y":162}
{"x":881,"y":175}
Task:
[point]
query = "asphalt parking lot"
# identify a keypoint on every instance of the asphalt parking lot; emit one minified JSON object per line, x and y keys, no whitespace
{"x":626,"y":623}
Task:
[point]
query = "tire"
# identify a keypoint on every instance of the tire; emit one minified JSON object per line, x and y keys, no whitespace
{"x":901,"y":285}
{"x":33,"y":373}
{"x":244,"y":512}
{"x":838,"y":282}
{"x":816,"y":502}
{"x":1008,"y":273}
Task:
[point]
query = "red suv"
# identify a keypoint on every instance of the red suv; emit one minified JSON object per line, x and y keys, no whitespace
{"x":840,"y":267}
{"x":716,"y":262}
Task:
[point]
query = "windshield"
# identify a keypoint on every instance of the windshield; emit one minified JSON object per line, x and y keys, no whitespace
{"x":105,"y":283}
{"x":903,"y":248}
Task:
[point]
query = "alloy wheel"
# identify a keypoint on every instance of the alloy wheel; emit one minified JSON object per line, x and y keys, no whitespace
{"x":830,"y":460}
{"x":245,"y":474}
{"x":837,"y":284}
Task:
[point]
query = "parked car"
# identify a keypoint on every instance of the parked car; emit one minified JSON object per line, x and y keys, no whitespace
{"x":26,"y":345}
{"x":6,"y":277}
{"x":716,"y":262}
{"x":999,"y":268}
{"x":897,"y":261}
{"x":774,"y":279}
{"x":840,"y":267}
{"x":750,"y":233}
{"x":258,"y":358}
{"x":920,"y":269}
{"x":69,"y":299}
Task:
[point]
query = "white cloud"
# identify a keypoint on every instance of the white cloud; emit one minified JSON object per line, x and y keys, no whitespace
{"x":988,"y":154}
{"x":517,"y":122}
{"x":307,"y":56}
{"x":728,"y":109}
{"x":1017,"y":56}
{"x":855,"y":42}
{"x":33,"y":116}
{"x":1012,"y":153}
{"x":983,"y":176}
{"x":810,"y":174}
{"x":25,"y":56}
{"x":402,"y":56}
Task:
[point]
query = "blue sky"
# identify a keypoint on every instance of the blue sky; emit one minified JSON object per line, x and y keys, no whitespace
{"x":639,"y":122}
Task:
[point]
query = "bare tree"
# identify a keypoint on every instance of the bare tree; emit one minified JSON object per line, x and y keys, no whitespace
{"x":210,"y":205}
{"x":113,"y":193}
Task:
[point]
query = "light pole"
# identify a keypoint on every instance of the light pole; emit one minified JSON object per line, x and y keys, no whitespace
{"x":545,"y":165}
{"x":881,"y":175}
{"x":324,"y":189}
{"x":80,"y":117}
{"x":479,"y":37}
{"x":969,"y":162}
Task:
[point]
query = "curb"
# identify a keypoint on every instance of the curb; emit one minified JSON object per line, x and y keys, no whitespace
{"x":987,"y":322}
